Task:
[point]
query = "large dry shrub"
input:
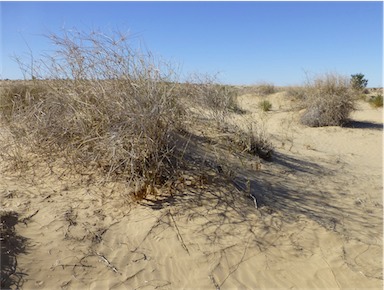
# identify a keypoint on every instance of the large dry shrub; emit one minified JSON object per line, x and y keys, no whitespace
{"x":96,"y":100}
{"x":328,"y":100}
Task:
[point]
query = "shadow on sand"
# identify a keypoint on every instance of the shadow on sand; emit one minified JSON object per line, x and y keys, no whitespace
{"x":12,"y":245}
{"x":364,"y":125}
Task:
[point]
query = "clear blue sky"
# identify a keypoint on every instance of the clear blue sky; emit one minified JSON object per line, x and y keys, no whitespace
{"x":246,"y":42}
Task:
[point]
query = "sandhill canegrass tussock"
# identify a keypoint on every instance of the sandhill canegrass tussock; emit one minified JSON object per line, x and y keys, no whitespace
{"x":328,"y":101}
{"x":97,"y":101}
{"x":99,"y":104}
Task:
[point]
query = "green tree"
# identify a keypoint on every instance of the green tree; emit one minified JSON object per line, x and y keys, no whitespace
{"x":358,"y":82}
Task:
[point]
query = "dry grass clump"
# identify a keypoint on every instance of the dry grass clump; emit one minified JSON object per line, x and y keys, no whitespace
{"x":99,"y":102}
{"x":210,"y":96}
{"x":257,"y":143}
{"x":328,"y":101}
{"x":298,"y":93}
{"x":16,"y":96}
{"x":100,"y":105}
{"x":253,"y":139}
{"x":376,"y":101}
{"x":265,"y":89}
{"x":265,"y":105}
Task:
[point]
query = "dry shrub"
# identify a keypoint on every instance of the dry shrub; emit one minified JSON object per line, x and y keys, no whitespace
{"x":265,"y":105}
{"x":252,"y":139}
{"x":98,"y":101}
{"x":16,"y":96}
{"x":328,"y":101}
{"x":376,"y":101}
{"x":209,"y":95}
{"x":257,"y":142}
{"x":297,"y":93}
{"x":264,"y":89}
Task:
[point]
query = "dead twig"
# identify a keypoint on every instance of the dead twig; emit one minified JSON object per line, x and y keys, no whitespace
{"x":250,"y":193}
{"x":178,"y":233}
{"x":109,"y":265}
{"x":26,"y":219}
{"x":217,"y":287}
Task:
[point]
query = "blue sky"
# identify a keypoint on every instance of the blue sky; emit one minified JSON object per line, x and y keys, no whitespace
{"x":245,"y":42}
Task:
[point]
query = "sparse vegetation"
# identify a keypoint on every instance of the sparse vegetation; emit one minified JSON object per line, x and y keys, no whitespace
{"x":257,"y":142}
{"x":376,"y":101}
{"x":210,"y":97}
{"x":265,"y":89}
{"x":328,"y":101}
{"x":298,"y":93}
{"x":265,"y":105}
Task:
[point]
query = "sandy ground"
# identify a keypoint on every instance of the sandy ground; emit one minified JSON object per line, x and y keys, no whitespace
{"x":318,"y":223}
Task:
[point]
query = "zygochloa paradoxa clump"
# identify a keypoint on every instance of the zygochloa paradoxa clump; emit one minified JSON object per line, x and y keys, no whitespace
{"x":211,"y":98}
{"x":328,"y":100}
{"x":99,"y":102}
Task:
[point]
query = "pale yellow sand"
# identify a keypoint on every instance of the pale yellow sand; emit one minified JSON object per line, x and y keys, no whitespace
{"x":318,"y":225}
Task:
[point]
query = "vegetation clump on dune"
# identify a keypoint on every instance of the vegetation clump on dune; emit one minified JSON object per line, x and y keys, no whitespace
{"x":328,"y":101}
{"x":98,"y":103}
{"x":376,"y":101}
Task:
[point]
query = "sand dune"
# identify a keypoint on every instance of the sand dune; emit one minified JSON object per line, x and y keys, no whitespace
{"x":318,"y":223}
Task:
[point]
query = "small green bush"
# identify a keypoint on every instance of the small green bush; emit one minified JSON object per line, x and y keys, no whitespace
{"x":265,"y":105}
{"x":376,"y":101}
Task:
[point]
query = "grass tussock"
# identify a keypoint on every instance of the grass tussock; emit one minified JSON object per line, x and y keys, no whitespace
{"x":98,"y":101}
{"x":99,"y":104}
{"x":376,"y":101}
{"x":328,"y":101}
{"x":296,"y":92}
{"x":210,"y":97}
{"x":256,"y":141}
{"x":265,"y":105}
{"x":265,"y":89}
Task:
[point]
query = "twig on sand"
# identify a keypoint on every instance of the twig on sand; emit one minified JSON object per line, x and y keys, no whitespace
{"x":217,"y":287}
{"x":178,"y":233}
{"x":26,"y":219}
{"x":113,"y":268}
{"x":250,"y":193}
{"x":254,"y":200}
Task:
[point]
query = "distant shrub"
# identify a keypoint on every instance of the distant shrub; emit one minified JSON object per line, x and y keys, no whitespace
{"x":297,"y":93}
{"x":265,"y":89}
{"x":328,"y":101}
{"x":358,"y":82}
{"x":376,"y":101}
{"x":265,"y":105}
{"x":206,"y":92}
